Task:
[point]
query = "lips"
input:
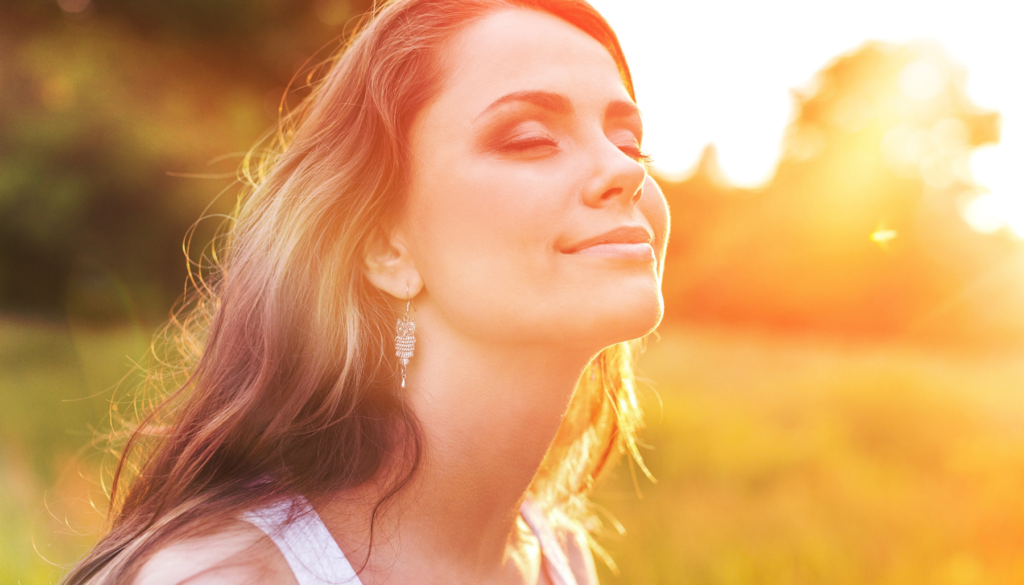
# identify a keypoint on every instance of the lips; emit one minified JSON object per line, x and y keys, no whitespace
{"x":623,"y":238}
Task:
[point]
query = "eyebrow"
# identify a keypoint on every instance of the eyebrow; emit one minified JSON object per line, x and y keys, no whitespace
{"x":559,"y":104}
{"x":553,"y":102}
{"x":622,"y":109}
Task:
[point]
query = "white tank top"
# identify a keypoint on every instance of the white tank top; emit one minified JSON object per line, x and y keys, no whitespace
{"x":316,"y":559}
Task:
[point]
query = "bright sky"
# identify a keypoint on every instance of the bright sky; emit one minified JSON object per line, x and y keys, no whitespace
{"x":721,"y":71}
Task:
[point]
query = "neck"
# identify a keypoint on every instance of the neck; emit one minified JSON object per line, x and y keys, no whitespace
{"x":489,"y":414}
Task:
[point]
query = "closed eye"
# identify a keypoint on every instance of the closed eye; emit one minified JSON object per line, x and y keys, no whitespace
{"x":633,"y":151}
{"x":528,"y":143}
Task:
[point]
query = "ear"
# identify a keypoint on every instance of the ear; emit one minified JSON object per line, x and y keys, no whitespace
{"x":389,"y":266}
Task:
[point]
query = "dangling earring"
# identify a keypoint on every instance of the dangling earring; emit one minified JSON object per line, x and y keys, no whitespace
{"x":406,"y":338}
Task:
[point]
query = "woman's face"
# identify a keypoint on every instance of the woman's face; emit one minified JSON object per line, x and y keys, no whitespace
{"x":528,"y":218}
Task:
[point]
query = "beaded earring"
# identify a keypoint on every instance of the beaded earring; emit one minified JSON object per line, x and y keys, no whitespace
{"x":405,"y":338}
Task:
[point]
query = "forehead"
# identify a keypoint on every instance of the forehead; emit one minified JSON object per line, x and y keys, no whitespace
{"x":518,"y":49}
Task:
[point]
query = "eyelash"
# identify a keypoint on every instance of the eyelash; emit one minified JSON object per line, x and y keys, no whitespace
{"x":632,"y":152}
{"x":527,"y":143}
{"x":636,"y":154}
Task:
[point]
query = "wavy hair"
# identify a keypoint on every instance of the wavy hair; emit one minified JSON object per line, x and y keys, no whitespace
{"x":281,"y":380}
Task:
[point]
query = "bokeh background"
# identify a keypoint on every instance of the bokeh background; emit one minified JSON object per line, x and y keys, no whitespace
{"x":837,"y":392}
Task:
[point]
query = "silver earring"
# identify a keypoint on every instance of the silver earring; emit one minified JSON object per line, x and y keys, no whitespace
{"x":405,"y":338}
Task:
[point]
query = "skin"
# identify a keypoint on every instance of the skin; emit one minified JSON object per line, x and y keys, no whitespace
{"x":509,"y":310}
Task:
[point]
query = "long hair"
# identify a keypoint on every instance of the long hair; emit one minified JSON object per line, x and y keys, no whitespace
{"x":286,"y":382}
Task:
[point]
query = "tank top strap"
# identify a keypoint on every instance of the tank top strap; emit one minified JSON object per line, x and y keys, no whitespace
{"x":556,"y":559}
{"x":316,"y":559}
{"x":305,"y":542}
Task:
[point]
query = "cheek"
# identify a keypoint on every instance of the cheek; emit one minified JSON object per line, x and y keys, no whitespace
{"x":469,"y":213}
{"x":483,"y":231}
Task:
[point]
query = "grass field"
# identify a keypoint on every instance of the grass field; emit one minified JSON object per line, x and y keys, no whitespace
{"x":780,"y":460}
{"x":804,"y":461}
{"x":55,"y":387}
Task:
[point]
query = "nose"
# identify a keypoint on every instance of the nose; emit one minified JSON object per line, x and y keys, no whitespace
{"x":617,"y":178}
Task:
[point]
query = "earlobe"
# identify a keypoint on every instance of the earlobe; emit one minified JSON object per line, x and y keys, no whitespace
{"x":389,"y":266}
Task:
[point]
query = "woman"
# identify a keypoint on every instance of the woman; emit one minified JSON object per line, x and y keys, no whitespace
{"x":470,"y":170}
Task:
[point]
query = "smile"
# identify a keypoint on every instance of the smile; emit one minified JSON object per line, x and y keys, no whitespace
{"x":628,"y":242}
{"x":619,"y":250}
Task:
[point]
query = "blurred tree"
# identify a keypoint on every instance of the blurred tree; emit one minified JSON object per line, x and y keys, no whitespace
{"x":108,"y":110}
{"x":859,"y":230}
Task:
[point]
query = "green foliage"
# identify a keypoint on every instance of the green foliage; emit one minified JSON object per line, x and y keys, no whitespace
{"x":108,"y":117}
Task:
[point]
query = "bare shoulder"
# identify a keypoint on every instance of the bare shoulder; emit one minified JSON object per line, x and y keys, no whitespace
{"x":239,"y":554}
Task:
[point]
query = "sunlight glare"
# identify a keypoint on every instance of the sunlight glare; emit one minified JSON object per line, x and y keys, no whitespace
{"x":990,"y":167}
{"x":922,"y":80}
{"x":984,"y":213}
{"x":722,"y":73}
{"x":883,"y":236}
{"x":1003,"y":206}
{"x":989,"y":212}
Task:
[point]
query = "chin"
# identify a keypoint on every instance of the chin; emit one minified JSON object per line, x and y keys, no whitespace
{"x":620,"y":320}
{"x":641,"y":320}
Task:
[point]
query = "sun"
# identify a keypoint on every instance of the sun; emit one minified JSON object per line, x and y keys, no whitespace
{"x":722,"y":73}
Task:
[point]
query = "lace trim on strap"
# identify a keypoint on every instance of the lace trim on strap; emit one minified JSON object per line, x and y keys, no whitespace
{"x":306,"y":544}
